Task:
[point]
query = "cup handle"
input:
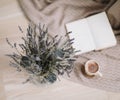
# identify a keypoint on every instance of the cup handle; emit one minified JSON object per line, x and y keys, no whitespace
{"x":99,"y":74}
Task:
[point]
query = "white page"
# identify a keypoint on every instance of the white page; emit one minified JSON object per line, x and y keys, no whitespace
{"x":81,"y":32}
{"x":101,"y":31}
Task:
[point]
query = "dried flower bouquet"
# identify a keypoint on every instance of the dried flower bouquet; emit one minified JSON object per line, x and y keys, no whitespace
{"x":43,"y":57}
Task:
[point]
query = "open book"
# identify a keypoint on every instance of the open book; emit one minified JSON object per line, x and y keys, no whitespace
{"x":91,"y":33}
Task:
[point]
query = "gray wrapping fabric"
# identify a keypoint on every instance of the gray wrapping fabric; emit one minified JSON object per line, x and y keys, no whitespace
{"x":56,"y":13}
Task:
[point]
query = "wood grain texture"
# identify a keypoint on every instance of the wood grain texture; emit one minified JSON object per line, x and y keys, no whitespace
{"x":2,"y":90}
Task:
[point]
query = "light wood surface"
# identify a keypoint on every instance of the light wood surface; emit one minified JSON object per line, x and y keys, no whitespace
{"x":2,"y":90}
{"x":10,"y":17}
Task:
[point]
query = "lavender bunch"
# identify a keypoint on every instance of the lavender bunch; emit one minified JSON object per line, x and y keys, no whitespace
{"x":43,"y":57}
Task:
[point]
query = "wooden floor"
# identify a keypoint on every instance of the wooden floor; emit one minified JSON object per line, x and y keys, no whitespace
{"x":11,"y":87}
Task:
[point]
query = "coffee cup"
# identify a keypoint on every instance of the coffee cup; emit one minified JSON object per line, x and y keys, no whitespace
{"x":92,"y":68}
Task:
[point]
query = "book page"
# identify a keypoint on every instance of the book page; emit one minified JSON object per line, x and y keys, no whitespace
{"x":101,"y":31}
{"x":82,"y":35}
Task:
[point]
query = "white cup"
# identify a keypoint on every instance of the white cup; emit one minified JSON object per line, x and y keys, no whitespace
{"x":92,"y":68}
